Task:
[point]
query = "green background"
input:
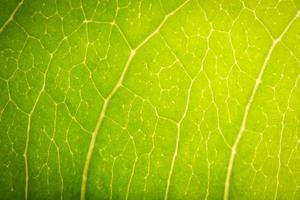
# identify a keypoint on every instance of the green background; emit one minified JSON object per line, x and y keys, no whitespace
{"x":149,"y":99}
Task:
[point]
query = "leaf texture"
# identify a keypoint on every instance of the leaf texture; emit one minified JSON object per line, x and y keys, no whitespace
{"x":146,"y":99}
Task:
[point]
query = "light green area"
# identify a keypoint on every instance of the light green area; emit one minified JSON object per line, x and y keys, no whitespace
{"x":171,"y":99}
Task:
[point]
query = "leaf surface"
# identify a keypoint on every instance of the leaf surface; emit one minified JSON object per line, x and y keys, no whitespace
{"x":150,"y":99}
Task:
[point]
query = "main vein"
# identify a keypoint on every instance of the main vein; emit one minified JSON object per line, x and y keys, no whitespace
{"x":249,"y":105}
{"x":112,"y":93}
{"x":11,"y":17}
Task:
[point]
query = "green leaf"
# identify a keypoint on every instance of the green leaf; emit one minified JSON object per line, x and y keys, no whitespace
{"x":146,"y":99}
